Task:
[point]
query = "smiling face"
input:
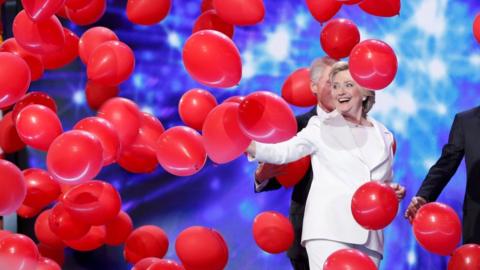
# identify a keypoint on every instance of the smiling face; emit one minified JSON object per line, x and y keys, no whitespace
{"x":347,"y":94}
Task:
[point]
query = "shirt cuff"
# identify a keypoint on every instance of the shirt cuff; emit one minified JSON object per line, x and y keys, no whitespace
{"x":260,"y":186}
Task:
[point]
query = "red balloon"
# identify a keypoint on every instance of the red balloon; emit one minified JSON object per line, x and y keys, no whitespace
{"x":147,"y":12}
{"x":266,"y":117}
{"x":27,"y":211}
{"x":349,"y":259}
{"x":294,"y":172}
{"x":66,"y":55}
{"x":194,"y":107}
{"x":4,"y":233}
{"x":14,"y":78}
{"x":43,"y":232}
{"x":235,"y":99}
{"x":210,"y":20}
{"x":201,"y":248}
{"x":296,"y":89}
{"x":118,"y":230}
{"x":150,"y":130}
{"x":13,"y":189}
{"x":94,"y":239}
{"x":323,"y":10}
{"x":382,"y":8}
{"x":47,"y":264}
{"x":41,"y":37}
{"x":240,"y":12}
{"x":38,"y":126}
{"x":97,"y":94}
{"x":34,"y":98}
{"x":125,"y":117}
{"x":212,"y":59}
{"x":89,"y":14}
{"x":111,"y":63}
{"x":64,"y":225}
{"x":180,"y":151}
{"x":349,"y":2}
{"x":94,"y":202}
{"x":338,"y":37}
{"x":33,"y":61}
{"x":437,"y":228}
{"x":39,"y":10}
{"x":10,"y":142}
{"x":273,"y":232}
{"x":56,"y":254}
{"x":146,"y":241}
{"x":466,"y":257}
{"x":77,"y":4}
{"x":105,"y":133}
{"x":91,"y":39}
{"x":18,"y":252}
{"x":476,"y":28}
{"x":373,"y":64}
{"x":374,"y":205}
{"x":74,"y":157}
{"x":223,"y":138}
{"x":165,"y":265}
{"x":143,"y":264}
{"x":206,"y":5}
{"x":42,"y":189}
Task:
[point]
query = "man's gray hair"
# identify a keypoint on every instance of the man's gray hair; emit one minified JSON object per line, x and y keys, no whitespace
{"x":318,"y":66}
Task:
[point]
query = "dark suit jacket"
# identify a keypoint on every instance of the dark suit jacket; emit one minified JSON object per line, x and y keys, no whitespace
{"x":299,"y":196}
{"x":464,"y":141}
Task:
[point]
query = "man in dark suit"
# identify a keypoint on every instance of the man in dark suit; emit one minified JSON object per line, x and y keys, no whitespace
{"x":266,"y":173}
{"x":463,"y":141}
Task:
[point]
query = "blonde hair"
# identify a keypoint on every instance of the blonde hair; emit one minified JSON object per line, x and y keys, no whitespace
{"x":318,"y":66}
{"x":368,"y":103}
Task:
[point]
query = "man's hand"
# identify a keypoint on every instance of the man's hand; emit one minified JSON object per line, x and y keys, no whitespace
{"x":413,"y":207}
{"x":266,"y":171}
{"x":400,"y":191}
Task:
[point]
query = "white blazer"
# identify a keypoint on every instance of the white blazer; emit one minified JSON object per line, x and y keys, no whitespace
{"x":339,"y":170}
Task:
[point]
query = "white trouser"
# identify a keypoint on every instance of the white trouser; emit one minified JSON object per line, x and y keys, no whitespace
{"x":319,"y":250}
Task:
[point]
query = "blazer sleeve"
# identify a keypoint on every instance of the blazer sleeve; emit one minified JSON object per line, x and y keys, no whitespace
{"x":443,"y":170}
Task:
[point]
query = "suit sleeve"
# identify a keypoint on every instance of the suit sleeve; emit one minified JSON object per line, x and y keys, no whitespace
{"x":443,"y":170}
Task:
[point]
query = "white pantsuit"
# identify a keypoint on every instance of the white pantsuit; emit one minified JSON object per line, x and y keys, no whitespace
{"x":339,"y":169}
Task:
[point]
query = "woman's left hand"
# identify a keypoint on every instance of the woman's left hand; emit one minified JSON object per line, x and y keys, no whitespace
{"x":399,"y":190}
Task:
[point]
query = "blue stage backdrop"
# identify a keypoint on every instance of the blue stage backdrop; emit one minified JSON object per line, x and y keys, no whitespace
{"x":437,"y":77}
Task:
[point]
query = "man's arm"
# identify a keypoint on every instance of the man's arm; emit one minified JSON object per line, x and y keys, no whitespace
{"x":265,"y":177}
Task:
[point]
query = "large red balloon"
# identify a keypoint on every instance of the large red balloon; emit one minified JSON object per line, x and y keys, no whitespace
{"x":145,"y":241}
{"x":91,"y":39}
{"x":105,"y":133}
{"x":4,"y":233}
{"x":294,"y":172}
{"x":66,"y":55}
{"x":42,"y":189}
{"x":34,"y":98}
{"x":240,"y":12}
{"x":92,"y":240}
{"x":296,"y":89}
{"x":180,"y":151}
{"x":38,"y":126}
{"x":10,"y":142}
{"x":93,"y":202}
{"x":267,"y":118}
{"x":74,"y":157}
{"x":437,"y":228}
{"x":43,"y":232}
{"x":33,"y":61}
{"x":77,"y":4}
{"x":41,"y":37}
{"x":223,"y":138}
{"x":374,"y":205}
{"x":234,"y":99}
{"x":466,"y":257}
{"x":64,"y":225}
{"x":13,"y":189}
{"x":194,"y":107}
{"x":166,"y":265}
{"x":350,"y":259}
{"x":201,"y":248}
{"x":89,"y":14}
{"x":212,"y":59}
{"x":118,"y":230}
{"x":56,"y":254}
{"x":47,"y":264}
{"x":210,"y":20}
{"x":382,"y":8}
{"x":349,"y":2}
{"x":18,"y":252}
{"x":97,"y":94}
{"x":273,"y":232}
{"x":323,"y":10}
{"x":125,"y":117}
{"x":206,"y":5}
{"x":147,"y":12}
{"x":14,"y":78}
{"x":338,"y":37}
{"x":39,"y":10}
{"x":27,"y":211}
{"x":111,"y":63}
{"x":476,"y":28}
{"x":373,"y":64}
{"x":150,"y":130}
{"x":143,"y":264}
